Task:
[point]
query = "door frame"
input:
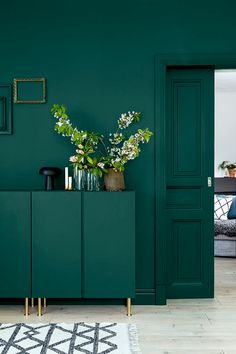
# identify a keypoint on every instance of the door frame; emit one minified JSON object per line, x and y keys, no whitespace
{"x":162,"y":61}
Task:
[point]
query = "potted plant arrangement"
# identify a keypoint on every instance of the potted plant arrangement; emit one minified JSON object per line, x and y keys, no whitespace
{"x":87,"y":168}
{"x":122,"y":149}
{"x":228,"y":166}
{"x":89,"y":164}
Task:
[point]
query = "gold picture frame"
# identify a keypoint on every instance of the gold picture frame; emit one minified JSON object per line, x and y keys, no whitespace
{"x":42,"y":99}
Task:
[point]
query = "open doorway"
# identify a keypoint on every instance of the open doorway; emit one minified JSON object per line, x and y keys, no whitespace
{"x":225,"y":181}
{"x":184,"y":101}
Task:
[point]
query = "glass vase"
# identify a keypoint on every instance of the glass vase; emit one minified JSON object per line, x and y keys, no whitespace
{"x":79,"y":179}
{"x":92,"y":182}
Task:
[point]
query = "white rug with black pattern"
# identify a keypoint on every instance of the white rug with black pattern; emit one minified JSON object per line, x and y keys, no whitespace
{"x":62,"y":338}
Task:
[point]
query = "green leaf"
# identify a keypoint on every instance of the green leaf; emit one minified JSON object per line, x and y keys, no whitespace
{"x":90,"y":160}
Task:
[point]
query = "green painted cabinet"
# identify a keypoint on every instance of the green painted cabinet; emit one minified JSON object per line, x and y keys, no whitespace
{"x":67,"y":244}
{"x":108,"y":245}
{"x":83,"y":244}
{"x":56,"y":244}
{"x":15,"y":244}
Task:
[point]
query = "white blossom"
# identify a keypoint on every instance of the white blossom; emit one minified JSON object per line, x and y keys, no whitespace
{"x":126,"y":119}
{"x":73,"y":159}
{"x":101,"y":164}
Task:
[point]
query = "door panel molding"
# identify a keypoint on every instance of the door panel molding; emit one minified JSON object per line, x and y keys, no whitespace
{"x":182,"y":93}
{"x":183,"y":198}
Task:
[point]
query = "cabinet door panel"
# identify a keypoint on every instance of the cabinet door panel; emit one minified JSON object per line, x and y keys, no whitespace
{"x":109,"y":245}
{"x":56,"y":243}
{"x":15,"y":244}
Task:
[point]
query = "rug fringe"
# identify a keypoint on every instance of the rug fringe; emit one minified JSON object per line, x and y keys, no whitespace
{"x":133,"y":339}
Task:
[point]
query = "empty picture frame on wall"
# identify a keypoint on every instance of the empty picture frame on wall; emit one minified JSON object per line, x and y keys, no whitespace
{"x":5,"y":109}
{"x":29,"y":90}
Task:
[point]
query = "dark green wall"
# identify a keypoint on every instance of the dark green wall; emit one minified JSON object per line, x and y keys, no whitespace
{"x":98,"y":58}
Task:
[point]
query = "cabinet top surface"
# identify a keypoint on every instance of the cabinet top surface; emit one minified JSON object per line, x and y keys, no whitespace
{"x":59,"y":191}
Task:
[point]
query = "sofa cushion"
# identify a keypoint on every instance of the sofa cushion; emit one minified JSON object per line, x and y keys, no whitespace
{"x":222,"y":204}
{"x":232,"y":210}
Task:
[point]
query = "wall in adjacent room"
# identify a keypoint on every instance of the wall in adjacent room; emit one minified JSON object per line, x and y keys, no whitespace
{"x":98,"y":58}
{"x":225,"y":118}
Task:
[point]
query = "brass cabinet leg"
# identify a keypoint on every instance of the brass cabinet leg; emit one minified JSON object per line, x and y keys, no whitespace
{"x":39,"y":307}
{"x":44,"y":302}
{"x":129,"y":311}
{"x":26,"y":306}
{"x":32,"y":302}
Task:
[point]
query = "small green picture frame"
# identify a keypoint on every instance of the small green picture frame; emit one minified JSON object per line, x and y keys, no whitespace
{"x":5,"y":109}
{"x":29,"y":90}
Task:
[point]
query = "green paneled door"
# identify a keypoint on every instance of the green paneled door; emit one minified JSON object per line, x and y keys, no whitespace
{"x":56,"y":244}
{"x":109,"y":245}
{"x":15,"y":244}
{"x":189,"y":136}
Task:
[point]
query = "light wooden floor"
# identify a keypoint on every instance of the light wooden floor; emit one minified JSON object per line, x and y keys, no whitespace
{"x":182,"y":327}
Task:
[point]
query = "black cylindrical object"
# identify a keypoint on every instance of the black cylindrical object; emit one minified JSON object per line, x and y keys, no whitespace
{"x":50,"y":173}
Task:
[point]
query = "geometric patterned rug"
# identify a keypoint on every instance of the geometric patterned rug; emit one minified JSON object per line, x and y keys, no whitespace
{"x":63,"y":338}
